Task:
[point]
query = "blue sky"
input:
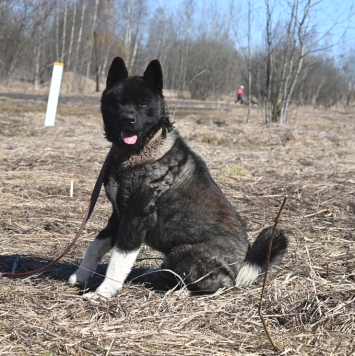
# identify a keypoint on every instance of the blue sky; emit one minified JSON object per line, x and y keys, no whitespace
{"x":334,"y":20}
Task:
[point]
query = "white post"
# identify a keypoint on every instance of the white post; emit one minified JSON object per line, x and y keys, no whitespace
{"x":54,"y":93}
{"x":71,"y":189}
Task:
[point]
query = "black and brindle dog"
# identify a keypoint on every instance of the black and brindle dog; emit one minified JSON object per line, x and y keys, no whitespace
{"x":162,"y":195}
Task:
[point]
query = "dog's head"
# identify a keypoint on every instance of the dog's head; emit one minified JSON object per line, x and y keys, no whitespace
{"x":133,"y":107}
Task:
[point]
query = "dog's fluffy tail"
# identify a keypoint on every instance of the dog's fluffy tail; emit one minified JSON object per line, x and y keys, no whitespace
{"x":255,"y":261}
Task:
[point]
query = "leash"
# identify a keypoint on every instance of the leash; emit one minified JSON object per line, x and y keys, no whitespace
{"x":94,"y":195}
{"x":93,"y":199}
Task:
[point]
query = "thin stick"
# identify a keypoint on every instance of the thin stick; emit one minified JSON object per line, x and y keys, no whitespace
{"x":276,"y":221}
{"x":71,"y":192}
{"x":109,"y":349}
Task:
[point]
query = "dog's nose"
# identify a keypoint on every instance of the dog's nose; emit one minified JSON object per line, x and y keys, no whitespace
{"x":129,"y":119}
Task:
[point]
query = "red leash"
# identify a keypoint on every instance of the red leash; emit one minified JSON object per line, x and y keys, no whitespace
{"x":94,"y":195}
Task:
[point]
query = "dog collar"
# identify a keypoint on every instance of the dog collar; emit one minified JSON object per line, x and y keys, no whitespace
{"x":156,"y":135}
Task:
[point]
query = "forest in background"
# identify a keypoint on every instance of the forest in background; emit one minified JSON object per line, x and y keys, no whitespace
{"x":207,"y":50}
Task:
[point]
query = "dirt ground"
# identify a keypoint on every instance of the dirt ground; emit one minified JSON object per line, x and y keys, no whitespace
{"x":309,"y":301}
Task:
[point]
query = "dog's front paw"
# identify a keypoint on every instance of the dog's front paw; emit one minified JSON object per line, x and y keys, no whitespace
{"x":107,"y":289}
{"x":99,"y":294}
{"x":94,"y":297}
{"x":80,"y":277}
{"x":73,"y":280}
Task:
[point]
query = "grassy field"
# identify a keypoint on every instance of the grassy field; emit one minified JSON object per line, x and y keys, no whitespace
{"x":309,"y":301}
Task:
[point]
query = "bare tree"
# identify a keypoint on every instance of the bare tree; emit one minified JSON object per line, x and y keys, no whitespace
{"x":129,"y":30}
{"x":348,"y":68}
{"x":91,"y":38}
{"x":107,"y":39}
{"x":270,"y":61}
{"x":72,"y":36}
{"x":249,"y":60}
{"x":78,"y":44}
{"x":161,"y":36}
{"x":208,"y":57}
{"x":137,"y":38}
{"x":57,"y":31}
{"x":279,"y":90}
{"x":206,"y":71}
{"x":292,"y":46}
{"x":64,"y":29}
{"x":135,"y":13}
{"x":293,"y":65}
{"x":39,"y":44}
{"x":184,"y":52}
{"x":19,"y":23}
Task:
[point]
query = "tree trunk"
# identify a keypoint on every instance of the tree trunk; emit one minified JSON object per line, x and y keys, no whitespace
{"x":91,"y":37}
{"x":286,"y":51}
{"x":128,"y":36}
{"x":249,"y":61}
{"x":39,"y":46}
{"x":64,"y":30}
{"x":79,"y":35}
{"x":294,"y":76}
{"x":57,"y":31}
{"x":72,"y":35}
{"x":269,"y":65}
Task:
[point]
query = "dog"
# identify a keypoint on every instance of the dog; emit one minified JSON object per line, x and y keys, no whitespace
{"x":163,"y":195}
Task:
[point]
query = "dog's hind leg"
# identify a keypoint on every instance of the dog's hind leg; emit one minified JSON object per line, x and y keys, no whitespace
{"x":96,"y":250}
{"x":200,"y":272}
{"x":157,"y":279}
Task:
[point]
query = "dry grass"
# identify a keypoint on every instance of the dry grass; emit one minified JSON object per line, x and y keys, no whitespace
{"x":309,"y":300}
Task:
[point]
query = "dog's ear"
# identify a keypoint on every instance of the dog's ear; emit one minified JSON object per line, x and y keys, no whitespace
{"x":154,"y":75}
{"x":117,"y":72}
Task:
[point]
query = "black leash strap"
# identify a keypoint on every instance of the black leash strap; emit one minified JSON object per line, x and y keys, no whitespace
{"x":93,"y":199}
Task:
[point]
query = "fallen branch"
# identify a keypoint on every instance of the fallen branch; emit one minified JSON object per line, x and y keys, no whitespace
{"x":276,"y":221}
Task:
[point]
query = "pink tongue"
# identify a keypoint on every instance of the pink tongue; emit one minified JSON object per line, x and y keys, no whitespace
{"x":128,"y":138}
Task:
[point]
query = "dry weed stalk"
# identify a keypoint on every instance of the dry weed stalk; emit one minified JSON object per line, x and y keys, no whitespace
{"x":277,"y":219}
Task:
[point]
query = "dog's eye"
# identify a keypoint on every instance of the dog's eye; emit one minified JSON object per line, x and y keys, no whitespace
{"x":143,"y":104}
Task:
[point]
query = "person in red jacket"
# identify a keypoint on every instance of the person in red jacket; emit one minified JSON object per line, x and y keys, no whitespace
{"x":240,"y":93}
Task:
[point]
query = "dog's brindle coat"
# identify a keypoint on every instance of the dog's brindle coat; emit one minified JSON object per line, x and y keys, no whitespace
{"x":163,"y":195}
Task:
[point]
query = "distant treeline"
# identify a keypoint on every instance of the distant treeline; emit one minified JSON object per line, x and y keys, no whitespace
{"x":202,"y":49}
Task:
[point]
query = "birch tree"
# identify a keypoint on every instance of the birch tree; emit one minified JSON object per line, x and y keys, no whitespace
{"x":293,"y":64}
{"x":280,"y":86}
{"x":106,"y":35}
{"x":270,"y":61}
{"x":91,"y":38}
{"x":57,"y":31}
{"x":136,"y":41}
{"x":129,"y":29}
{"x":249,"y":60}
{"x":136,"y":12}
{"x":64,"y":30}
{"x":348,"y":67}
{"x":80,"y":34}
{"x":39,"y":44}
{"x":72,"y":36}
{"x":187,"y":17}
